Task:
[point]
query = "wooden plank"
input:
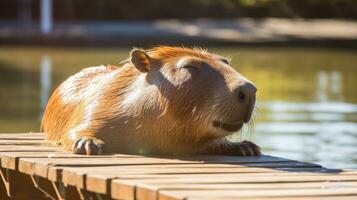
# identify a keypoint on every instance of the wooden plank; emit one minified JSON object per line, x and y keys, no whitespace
{"x":232,"y":159}
{"x":27,"y":148}
{"x":99,"y":183}
{"x":10,"y":159}
{"x":22,"y":139}
{"x":92,"y":183}
{"x":212,"y":159}
{"x":154,"y":170}
{"x":150,"y":191}
{"x":157,"y":169}
{"x":22,"y":142}
{"x":183,"y":194}
{"x":10,"y":162}
{"x":41,"y":165}
{"x":204,"y":168}
{"x":238,"y":178}
{"x":177,"y":169}
{"x":339,"y":197}
{"x":126,"y":187}
{"x":21,"y":135}
{"x":259,"y":177}
{"x":25,"y":138}
{"x":77,"y":175}
{"x":27,"y":165}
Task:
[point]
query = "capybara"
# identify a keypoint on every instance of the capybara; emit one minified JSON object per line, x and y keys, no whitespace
{"x":165,"y":101}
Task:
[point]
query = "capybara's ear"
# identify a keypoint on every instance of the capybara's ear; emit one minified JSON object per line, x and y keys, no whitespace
{"x":140,"y":60}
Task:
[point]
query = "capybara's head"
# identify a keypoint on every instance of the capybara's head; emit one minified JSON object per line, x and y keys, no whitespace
{"x":189,"y":90}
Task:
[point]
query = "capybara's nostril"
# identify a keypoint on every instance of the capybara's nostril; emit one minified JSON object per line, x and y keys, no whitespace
{"x":241,"y":95}
{"x":246,"y":91}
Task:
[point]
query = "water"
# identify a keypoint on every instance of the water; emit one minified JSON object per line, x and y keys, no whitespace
{"x":307,"y":98}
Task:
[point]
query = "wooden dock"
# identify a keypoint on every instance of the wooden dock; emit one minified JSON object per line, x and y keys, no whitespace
{"x":31,"y":169}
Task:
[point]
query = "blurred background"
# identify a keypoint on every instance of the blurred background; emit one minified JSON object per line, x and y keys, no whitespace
{"x":300,"y":54}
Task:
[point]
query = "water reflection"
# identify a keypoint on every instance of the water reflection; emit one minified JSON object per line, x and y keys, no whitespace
{"x":329,"y":85}
{"x":323,"y":131}
{"x":307,"y":101}
{"x":45,"y":81}
{"x":324,"y":107}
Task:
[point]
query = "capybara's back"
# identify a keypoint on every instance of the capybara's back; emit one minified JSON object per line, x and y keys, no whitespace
{"x":166,"y":100}
{"x":63,"y":108}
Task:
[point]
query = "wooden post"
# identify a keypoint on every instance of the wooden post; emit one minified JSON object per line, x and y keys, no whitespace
{"x":19,"y":185}
{"x":45,"y":81}
{"x":46,"y":20}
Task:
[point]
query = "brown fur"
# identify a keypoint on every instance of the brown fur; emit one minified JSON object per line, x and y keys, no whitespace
{"x":151,"y":104}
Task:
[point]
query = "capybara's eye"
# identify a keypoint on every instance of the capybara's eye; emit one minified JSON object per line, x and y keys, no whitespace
{"x":190,"y":67}
{"x":225,"y":61}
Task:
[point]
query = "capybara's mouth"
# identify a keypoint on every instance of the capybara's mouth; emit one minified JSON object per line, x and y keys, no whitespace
{"x":231,"y":127}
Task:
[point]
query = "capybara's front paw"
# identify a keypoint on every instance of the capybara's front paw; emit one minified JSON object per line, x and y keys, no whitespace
{"x":245,"y":148}
{"x":87,"y":146}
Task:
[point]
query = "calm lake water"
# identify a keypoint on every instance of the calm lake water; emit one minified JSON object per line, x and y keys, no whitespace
{"x":307,"y":98}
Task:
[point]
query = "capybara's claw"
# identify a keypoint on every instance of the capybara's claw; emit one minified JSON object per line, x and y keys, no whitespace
{"x":244,"y":148}
{"x":87,"y":146}
{"x":247,"y":148}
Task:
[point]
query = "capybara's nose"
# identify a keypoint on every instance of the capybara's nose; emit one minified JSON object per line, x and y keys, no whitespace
{"x":246,"y":92}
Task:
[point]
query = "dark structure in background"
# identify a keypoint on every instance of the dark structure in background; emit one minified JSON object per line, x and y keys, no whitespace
{"x":150,"y":22}
{"x":184,"y":9}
